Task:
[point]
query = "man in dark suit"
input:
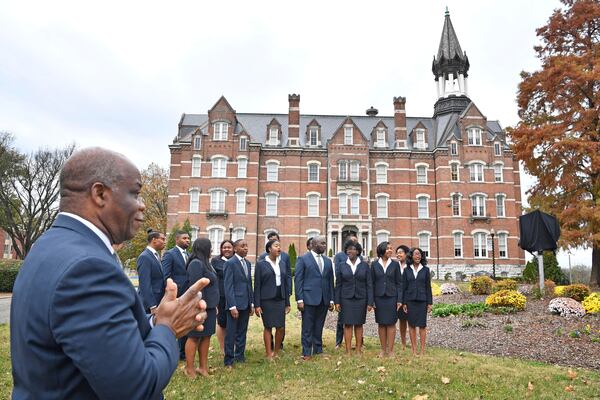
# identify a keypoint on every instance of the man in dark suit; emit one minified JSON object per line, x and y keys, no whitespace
{"x":313,"y":280}
{"x":239,"y":300}
{"x":173,"y":264}
{"x":78,"y":329}
{"x":150,"y":272}
{"x":341,"y":257}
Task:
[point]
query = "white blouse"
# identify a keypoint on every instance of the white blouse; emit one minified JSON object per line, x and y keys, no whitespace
{"x":276,"y":268}
{"x":384,"y":265}
{"x":353,"y":266}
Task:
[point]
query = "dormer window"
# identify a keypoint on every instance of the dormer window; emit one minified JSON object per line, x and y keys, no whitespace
{"x":453,"y":149}
{"x":497,"y":149}
{"x":474,"y":137}
{"x":243,"y":143}
{"x":197,"y":142}
{"x":348,"y":135}
{"x":380,"y":138}
{"x":273,"y":139}
{"x":313,"y":136}
{"x":220,"y":130}
{"x":420,"y":139}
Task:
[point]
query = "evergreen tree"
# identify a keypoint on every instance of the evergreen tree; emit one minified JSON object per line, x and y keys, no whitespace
{"x":552,"y":270}
{"x":171,"y":239}
{"x":293,"y":257}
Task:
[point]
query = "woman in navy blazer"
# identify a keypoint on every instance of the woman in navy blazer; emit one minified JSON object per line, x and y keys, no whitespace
{"x":199,"y":267}
{"x":386,"y":291}
{"x":272,"y":283}
{"x":401,"y":256}
{"x":417,"y":297}
{"x":218,"y":263}
{"x":353,"y":294}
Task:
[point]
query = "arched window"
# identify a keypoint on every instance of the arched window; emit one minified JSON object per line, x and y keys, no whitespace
{"x":240,"y":201}
{"x":503,"y":245}
{"x":480,"y":242}
{"x":196,"y":161}
{"x":238,"y":233}
{"x":217,"y":201}
{"x":456,"y":204}
{"x":422,"y":174}
{"x":313,"y":171}
{"x":422,"y":206}
{"x":354,"y":207}
{"x":220,"y":130}
{"x":458,"y":244}
{"x":500,"y":206}
{"x":313,"y":204}
{"x":478,"y":205}
{"x":242,"y":171}
{"x":498,"y":172}
{"x":474,"y":136}
{"x":424,"y":242}
{"x":382,"y":205}
{"x":382,"y":236}
{"x":476,"y":172}
{"x":215,"y":235}
{"x":343,"y":204}
{"x":272,"y":171}
{"x":271,"y":204}
{"x":219,"y":167}
{"x":381,"y":173}
{"x":454,"y":172}
{"x":194,"y":200}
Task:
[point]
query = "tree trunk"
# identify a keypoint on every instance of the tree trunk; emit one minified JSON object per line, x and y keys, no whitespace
{"x":595,"y":277}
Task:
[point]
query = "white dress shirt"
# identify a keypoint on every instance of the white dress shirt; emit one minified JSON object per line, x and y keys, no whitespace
{"x":384,"y":265}
{"x":276,"y":268}
{"x":353,"y":266}
{"x":93,"y":228}
{"x":154,"y":252}
{"x":416,"y":270}
{"x":183,"y":253}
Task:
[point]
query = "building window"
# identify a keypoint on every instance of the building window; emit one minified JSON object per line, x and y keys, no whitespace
{"x":313,"y":137}
{"x":424,"y":243}
{"x":215,"y":235}
{"x":458,"y":246}
{"x":343,"y":167}
{"x":380,"y":142}
{"x":497,"y":149}
{"x":194,"y":201}
{"x":313,"y":172}
{"x":498,"y":176}
{"x":240,"y":202}
{"x":503,"y":245}
{"x":354,"y":168}
{"x":237,"y":234}
{"x":382,"y":206}
{"x":271,"y":204}
{"x":220,"y":130}
{"x":422,"y":207}
{"x":273,"y":137}
{"x":272,"y":172}
{"x":197,"y":142}
{"x":476,"y":170}
{"x":453,"y":149}
{"x":217,"y":201}
{"x":313,"y":205}
{"x":381,"y":173}
{"x":196,"y":167}
{"x":478,"y":203}
{"x":454,"y":177}
{"x":480,"y":243}
{"x":348,"y":139}
{"x":420,"y":134}
{"x":312,"y":233}
{"x":194,"y":235}
{"x":421,"y":174}
{"x":456,"y":205}
{"x":242,"y":168}
{"x":500,"y":208}
{"x":343,"y":204}
{"x":243,"y":143}
{"x":354,"y":209}
{"x":7,"y":248}
{"x":474,"y":136}
{"x":219,"y":167}
{"x":382,"y":237}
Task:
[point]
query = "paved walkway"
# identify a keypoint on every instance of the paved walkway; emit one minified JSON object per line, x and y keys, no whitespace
{"x":4,"y":310}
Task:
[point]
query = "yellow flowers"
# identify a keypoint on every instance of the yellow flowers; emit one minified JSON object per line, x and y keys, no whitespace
{"x":435,"y":289}
{"x":559,"y":290}
{"x":506,"y":298}
{"x":591,"y":304}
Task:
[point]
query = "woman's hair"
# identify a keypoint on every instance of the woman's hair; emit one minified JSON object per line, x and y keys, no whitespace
{"x":269,"y":244}
{"x":382,"y":248}
{"x":223,"y":243}
{"x":404,"y":248}
{"x":356,"y":245}
{"x":409,"y":256}
{"x":201,"y":251}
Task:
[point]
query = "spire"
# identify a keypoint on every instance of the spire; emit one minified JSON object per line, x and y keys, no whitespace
{"x":449,"y":50}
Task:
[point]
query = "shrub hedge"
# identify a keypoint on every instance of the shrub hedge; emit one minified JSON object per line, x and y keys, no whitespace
{"x":506,"y":284}
{"x":482,"y":285}
{"x":8,"y":274}
{"x":576,"y":292}
{"x":506,"y":298}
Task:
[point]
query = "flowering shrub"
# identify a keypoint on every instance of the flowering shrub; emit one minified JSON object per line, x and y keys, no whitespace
{"x":559,"y":291}
{"x":435,"y":289}
{"x":506,"y":298}
{"x":591,"y":304}
{"x":506,"y":284}
{"x":576,"y":292}
{"x":549,"y":286}
{"x":566,"y":307}
{"x":482,"y":285}
{"x":449,"y":288}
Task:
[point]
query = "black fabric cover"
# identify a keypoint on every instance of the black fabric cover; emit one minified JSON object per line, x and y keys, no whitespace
{"x":539,"y":231}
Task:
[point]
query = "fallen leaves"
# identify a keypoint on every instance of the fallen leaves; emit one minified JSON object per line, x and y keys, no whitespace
{"x":569,"y":388}
{"x":361,"y":382}
{"x":571,"y":374}
{"x":529,"y":386}
{"x":381,"y":369}
{"x":445,"y":380}
{"x":420,"y":397}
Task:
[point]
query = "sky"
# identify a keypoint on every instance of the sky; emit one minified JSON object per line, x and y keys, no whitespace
{"x":121,"y":74}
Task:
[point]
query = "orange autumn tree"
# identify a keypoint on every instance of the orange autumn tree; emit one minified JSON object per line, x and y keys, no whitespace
{"x":558,"y":136}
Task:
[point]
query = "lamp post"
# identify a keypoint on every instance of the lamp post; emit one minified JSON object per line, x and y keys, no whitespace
{"x":492,"y":234}
{"x":230,"y":230}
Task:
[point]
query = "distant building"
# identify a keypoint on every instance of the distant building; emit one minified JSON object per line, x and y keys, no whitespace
{"x":447,"y":183}
{"x":7,"y":248}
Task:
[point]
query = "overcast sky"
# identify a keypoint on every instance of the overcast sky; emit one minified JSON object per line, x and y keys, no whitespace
{"x":120,"y":74}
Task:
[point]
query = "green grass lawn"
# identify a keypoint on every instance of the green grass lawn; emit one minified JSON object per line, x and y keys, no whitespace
{"x":334,"y":376}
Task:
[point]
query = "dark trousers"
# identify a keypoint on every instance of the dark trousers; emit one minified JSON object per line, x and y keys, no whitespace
{"x":339,"y":328}
{"x":235,"y":337}
{"x":313,"y":320}
{"x":181,"y":341}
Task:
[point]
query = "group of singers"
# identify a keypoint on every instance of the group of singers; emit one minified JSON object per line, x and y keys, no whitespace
{"x":396,"y":289}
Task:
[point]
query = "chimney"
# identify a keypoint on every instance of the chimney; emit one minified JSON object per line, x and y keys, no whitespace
{"x":400,"y":122}
{"x":294,"y":120}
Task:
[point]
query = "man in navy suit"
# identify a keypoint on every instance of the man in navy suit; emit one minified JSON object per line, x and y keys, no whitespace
{"x":150,"y":273}
{"x":313,"y":280}
{"x":239,"y":300}
{"x":173,"y":264}
{"x":78,"y":329}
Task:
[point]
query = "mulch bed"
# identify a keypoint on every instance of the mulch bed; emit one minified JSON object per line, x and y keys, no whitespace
{"x":536,"y":334}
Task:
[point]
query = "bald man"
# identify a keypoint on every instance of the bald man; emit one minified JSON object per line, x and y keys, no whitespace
{"x":78,"y":329}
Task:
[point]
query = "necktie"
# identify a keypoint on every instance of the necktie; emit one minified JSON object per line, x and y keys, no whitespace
{"x":157,"y":257}
{"x":184,"y":254}
{"x":320,"y":263}
{"x":245,"y":267}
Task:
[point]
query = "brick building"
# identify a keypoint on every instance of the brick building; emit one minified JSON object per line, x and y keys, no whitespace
{"x":448,"y":184}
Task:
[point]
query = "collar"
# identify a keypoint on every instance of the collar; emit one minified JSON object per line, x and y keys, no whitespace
{"x":268,"y":259}
{"x":315,"y":255}
{"x":224,"y":258}
{"x":380,"y":260}
{"x":238,"y":257}
{"x":358,"y":261}
{"x":153,"y":251}
{"x":92,"y":227}
{"x":416,"y":270}
{"x":180,"y":249}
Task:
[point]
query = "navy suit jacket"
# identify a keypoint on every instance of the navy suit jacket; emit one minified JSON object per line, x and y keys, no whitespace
{"x":173,"y":266}
{"x":238,"y":286}
{"x":219,"y":264}
{"x":285,"y":259}
{"x":151,"y":279}
{"x":388,"y":283}
{"x":358,"y":285}
{"x":418,"y":289}
{"x":197,"y":270}
{"x":78,"y":329}
{"x":311,"y":286}
{"x":265,"y":284}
